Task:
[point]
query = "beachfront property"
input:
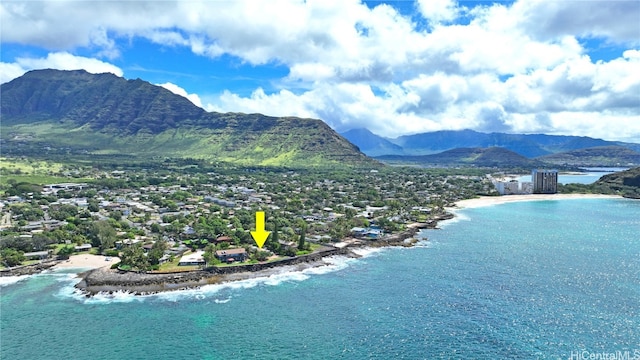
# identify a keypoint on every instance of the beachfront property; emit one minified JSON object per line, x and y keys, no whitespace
{"x":544,"y":181}
{"x":37,"y":255}
{"x":371,"y":233}
{"x":83,"y":247}
{"x":514,"y":187}
{"x":232,"y":255}
{"x":196,"y":258}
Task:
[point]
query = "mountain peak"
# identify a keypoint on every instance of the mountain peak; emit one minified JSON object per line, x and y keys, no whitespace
{"x":370,"y":143}
{"x":528,"y":145}
{"x":104,"y":113}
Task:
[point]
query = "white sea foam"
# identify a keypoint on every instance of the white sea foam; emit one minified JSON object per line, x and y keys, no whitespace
{"x":368,"y":251}
{"x":334,"y":263}
{"x":8,"y":280}
{"x":219,"y":293}
{"x":459,"y":216}
{"x":112,"y":297}
{"x":284,"y":275}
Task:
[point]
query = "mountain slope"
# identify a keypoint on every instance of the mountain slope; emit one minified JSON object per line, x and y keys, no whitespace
{"x":438,"y":141}
{"x":595,"y":156}
{"x":481,"y":157}
{"x":105,"y":114}
{"x":529,"y":145}
{"x":625,"y":182}
{"x":370,"y":143}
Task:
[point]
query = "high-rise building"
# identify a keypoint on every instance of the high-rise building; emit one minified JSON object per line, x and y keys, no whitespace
{"x":544,"y":181}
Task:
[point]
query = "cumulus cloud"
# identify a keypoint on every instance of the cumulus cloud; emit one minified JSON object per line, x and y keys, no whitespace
{"x":438,"y":10}
{"x":10,"y":71}
{"x":520,"y":66}
{"x":58,"y":60}
{"x":194,"y":98}
{"x":615,"y":20}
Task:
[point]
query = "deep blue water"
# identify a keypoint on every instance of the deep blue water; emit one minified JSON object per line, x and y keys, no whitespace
{"x":520,"y":281}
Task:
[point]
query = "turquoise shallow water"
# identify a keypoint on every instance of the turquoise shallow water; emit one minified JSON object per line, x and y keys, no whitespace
{"x":520,"y":281}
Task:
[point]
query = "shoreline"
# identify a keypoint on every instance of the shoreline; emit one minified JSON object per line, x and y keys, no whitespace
{"x":106,"y":280}
{"x":96,"y":276}
{"x":86,"y":261}
{"x":485,"y":201}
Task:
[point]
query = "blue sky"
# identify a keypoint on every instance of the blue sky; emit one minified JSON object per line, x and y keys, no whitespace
{"x":394,"y":67}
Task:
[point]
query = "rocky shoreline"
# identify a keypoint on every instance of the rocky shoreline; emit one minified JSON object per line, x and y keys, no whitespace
{"x":106,"y":280}
{"x":29,"y":269}
{"x":113,"y":280}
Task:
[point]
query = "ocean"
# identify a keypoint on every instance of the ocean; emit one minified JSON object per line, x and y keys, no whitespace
{"x":529,"y":280}
{"x":590,"y":175}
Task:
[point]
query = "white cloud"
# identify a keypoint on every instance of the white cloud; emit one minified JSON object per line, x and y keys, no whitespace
{"x":58,"y":60}
{"x":438,"y":10}
{"x":10,"y":71}
{"x":194,"y":98}
{"x":576,"y":97}
{"x":521,"y":66}
{"x":615,"y":20}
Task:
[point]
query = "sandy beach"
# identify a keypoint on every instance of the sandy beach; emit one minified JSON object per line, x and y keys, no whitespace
{"x":496,"y":200}
{"x":86,"y":261}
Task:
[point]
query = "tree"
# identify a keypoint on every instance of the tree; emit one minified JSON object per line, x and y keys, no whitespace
{"x":12,"y":257}
{"x":64,"y":211}
{"x":276,"y":231}
{"x":66,"y":251}
{"x":210,"y":255}
{"x":155,"y":228}
{"x":157,"y":251}
{"x":102,"y":235}
{"x":39,"y":242}
{"x":303,"y":233}
{"x":134,"y":256}
{"x":116,"y":215}
{"x":261,"y":255}
{"x":27,"y":212}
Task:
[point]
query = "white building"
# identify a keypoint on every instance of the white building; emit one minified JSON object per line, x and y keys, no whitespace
{"x":513,"y":187}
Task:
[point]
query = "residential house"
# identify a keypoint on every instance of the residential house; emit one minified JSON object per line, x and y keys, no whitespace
{"x":83,"y":247}
{"x":191,"y":259}
{"x":231,"y":255}
{"x":36,"y":255}
{"x":224,"y":238}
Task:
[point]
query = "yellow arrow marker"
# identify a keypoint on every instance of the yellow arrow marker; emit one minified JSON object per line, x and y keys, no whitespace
{"x":260,"y":235}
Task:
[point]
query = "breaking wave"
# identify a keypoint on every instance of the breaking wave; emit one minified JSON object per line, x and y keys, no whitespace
{"x":9,"y":280}
{"x":220,"y":293}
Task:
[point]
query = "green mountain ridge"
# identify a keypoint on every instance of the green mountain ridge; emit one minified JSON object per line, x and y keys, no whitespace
{"x":528,"y":145}
{"x":482,"y":157}
{"x":595,"y":156}
{"x":626,"y":183}
{"x":106,"y":114}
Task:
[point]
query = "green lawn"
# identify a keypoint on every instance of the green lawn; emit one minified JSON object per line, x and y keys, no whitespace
{"x":172,"y":266}
{"x":314,"y":247}
{"x":39,"y":179}
{"x":33,"y":171}
{"x":29,"y":166}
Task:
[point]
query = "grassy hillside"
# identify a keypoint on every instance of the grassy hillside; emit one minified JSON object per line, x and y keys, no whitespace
{"x":626,"y":182}
{"x":80,"y":113}
{"x":481,"y":157}
{"x":595,"y":156}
